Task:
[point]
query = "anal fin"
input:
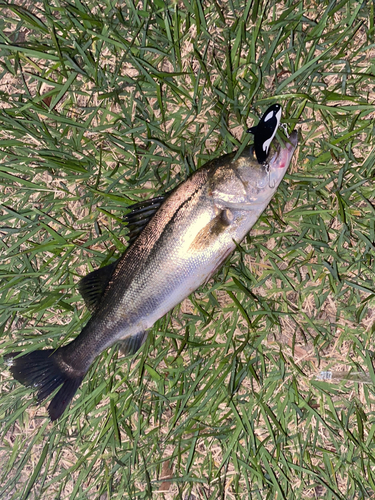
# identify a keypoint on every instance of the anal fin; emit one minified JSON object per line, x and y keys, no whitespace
{"x":130,"y":345}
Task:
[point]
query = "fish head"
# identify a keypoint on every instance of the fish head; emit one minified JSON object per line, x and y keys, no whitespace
{"x":245,"y":182}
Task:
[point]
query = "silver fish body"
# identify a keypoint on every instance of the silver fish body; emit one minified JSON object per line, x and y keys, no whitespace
{"x":184,"y":243}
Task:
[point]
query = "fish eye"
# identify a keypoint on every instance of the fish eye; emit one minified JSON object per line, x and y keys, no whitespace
{"x":262,"y":182}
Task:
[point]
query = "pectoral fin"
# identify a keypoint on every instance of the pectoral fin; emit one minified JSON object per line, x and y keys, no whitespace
{"x":211,"y":231}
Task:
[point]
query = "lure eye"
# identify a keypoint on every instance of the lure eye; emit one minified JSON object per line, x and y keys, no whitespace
{"x":265,"y":131}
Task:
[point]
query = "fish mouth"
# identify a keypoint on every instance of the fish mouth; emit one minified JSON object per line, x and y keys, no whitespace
{"x":289,"y":143}
{"x":293,"y":140}
{"x":283,"y":153}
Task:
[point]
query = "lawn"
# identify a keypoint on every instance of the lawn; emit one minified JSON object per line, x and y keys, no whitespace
{"x":261,"y":384}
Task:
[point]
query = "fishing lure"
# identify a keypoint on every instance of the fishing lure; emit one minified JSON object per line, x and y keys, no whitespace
{"x":265,"y":131}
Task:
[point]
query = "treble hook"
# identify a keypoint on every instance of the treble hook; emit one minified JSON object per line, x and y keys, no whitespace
{"x":284,"y":126}
{"x":268,"y":171}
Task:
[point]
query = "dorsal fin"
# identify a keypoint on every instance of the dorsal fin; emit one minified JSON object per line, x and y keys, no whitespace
{"x":252,"y":130}
{"x":141,"y":214}
{"x":93,"y":286}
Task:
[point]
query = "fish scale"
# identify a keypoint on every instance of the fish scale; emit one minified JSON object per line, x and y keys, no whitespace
{"x":178,"y":242}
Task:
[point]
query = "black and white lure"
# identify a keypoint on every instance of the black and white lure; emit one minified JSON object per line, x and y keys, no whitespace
{"x":265,"y":131}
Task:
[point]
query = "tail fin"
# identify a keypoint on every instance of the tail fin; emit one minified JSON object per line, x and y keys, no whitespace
{"x":46,"y":371}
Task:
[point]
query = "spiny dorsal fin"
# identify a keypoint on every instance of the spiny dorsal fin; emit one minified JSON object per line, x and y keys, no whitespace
{"x":93,"y":286}
{"x":141,"y":214}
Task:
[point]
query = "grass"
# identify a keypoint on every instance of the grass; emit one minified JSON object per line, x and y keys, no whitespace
{"x":106,"y":103}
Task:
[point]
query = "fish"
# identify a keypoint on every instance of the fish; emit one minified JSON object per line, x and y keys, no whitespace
{"x":265,"y":131}
{"x":177,"y":242}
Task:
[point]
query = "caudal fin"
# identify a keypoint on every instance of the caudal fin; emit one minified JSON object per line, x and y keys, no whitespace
{"x":46,"y":371}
